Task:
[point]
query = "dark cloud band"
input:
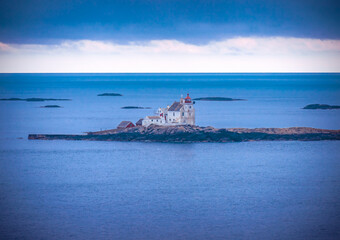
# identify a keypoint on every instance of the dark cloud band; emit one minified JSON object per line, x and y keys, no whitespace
{"x":193,"y":21}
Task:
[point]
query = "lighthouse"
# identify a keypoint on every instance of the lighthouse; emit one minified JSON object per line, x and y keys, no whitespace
{"x":188,"y":112}
{"x":179,"y":113}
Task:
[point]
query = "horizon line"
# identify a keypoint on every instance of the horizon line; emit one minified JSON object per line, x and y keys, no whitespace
{"x":298,"y":72}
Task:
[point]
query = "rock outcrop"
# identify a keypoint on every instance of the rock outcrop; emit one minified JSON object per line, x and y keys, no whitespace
{"x":135,"y":107}
{"x":321,"y":106}
{"x":34,"y":99}
{"x":51,"y":106}
{"x":199,"y":134}
{"x":109,"y":95}
{"x":217,"y":99}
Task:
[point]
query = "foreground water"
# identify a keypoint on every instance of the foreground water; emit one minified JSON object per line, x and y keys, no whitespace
{"x":112,"y":190}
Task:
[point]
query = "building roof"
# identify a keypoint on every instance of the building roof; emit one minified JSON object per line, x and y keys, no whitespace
{"x":124,"y":124}
{"x":139,"y":122}
{"x":175,"y":107}
{"x":188,"y":99}
{"x":153,"y":117}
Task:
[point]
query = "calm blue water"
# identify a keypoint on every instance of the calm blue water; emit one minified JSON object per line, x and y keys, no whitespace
{"x":113,"y":190}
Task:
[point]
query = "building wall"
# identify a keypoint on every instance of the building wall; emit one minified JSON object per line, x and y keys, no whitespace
{"x":146,"y":122}
{"x":189,"y":114}
{"x":174,"y":116}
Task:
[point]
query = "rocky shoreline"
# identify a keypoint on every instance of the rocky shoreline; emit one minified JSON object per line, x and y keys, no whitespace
{"x":188,"y":134}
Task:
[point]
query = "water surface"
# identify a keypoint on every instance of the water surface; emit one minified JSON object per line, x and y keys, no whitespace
{"x":121,"y":190}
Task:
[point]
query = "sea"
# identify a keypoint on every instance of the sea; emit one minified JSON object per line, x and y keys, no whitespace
{"x":133,"y":190}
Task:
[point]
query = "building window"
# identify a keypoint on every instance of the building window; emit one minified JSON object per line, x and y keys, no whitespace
{"x":182,"y":113}
{"x":189,"y":106}
{"x":173,"y":114}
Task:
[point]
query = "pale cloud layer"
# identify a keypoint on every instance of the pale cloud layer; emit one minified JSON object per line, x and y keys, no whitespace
{"x":275,"y":54}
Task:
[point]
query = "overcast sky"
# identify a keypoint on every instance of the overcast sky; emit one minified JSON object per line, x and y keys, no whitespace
{"x":169,"y":36}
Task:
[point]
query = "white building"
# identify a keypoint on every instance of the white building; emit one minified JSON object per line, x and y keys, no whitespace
{"x":179,"y":113}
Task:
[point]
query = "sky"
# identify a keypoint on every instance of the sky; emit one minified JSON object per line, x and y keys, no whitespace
{"x":169,"y":36}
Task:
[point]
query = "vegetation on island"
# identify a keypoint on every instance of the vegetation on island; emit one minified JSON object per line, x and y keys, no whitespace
{"x":217,"y":99}
{"x":110,"y":95}
{"x":321,"y":106}
{"x":135,"y":107}
{"x":34,"y":99}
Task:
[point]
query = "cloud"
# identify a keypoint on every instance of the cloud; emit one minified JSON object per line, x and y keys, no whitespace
{"x":229,"y":55}
{"x":234,"y":46}
{"x":4,"y":47}
{"x":275,"y":45}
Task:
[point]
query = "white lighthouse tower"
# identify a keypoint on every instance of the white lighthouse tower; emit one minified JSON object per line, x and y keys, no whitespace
{"x":188,"y":111}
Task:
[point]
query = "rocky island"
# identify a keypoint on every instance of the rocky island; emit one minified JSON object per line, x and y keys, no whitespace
{"x":321,"y":106}
{"x":34,"y":99}
{"x":51,"y":106}
{"x":135,"y":107}
{"x":109,"y":95}
{"x":176,"y":123}
{"x":191,"y":134}
{"x":221,"y":99}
